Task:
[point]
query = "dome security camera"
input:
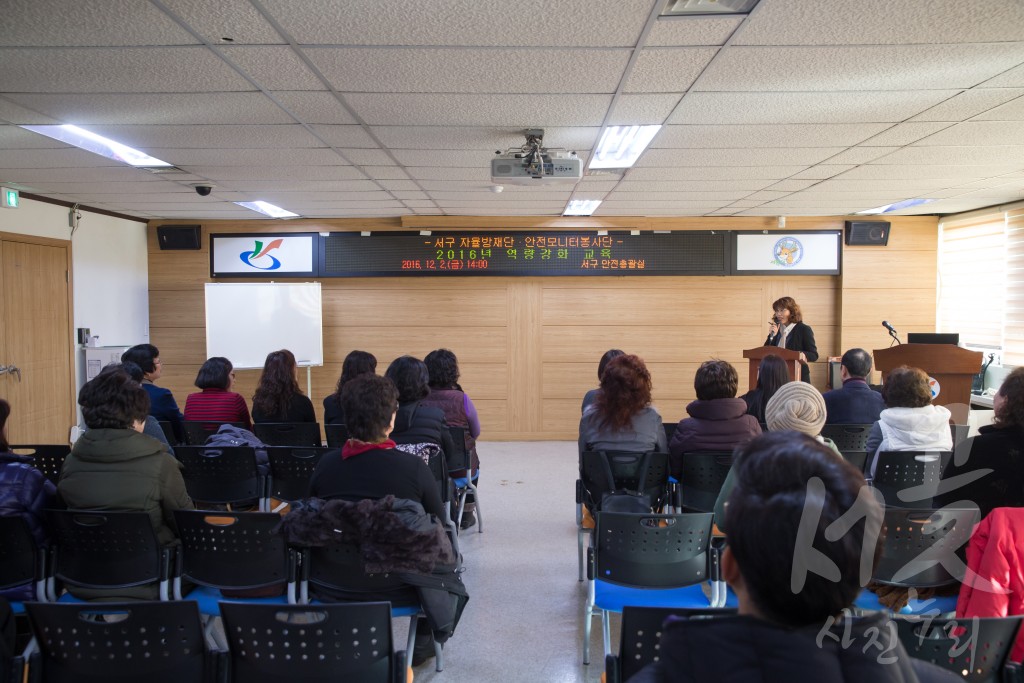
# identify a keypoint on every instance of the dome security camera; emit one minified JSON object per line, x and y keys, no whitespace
{"x":203,"y":190}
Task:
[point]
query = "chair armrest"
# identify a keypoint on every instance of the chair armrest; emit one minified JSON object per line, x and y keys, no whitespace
{"x":612,"y":669}
{"x":1012,"y":673}
{"x":398,"y":661}
{"x":590,"y":563}
{"x":579,"y":491}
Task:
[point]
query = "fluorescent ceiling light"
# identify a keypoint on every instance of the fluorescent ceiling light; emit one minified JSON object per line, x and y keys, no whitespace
{"x":905,"y":204}
{"x":581,"y":207}
{"x":621,"y":146}
{"x":268,"y":209}
{"x":690,"y":7}
{"x":97,"y":144}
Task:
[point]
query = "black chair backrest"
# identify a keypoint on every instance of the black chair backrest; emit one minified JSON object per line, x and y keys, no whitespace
{"x":169,"y":434}
{"x":20,"y":559}
{"x":701,"y":478}
{"x":237,"y":550}
{"x":438,"y":465}
{"x":670,"y":430}
{"x":196,"y":433}
{"x":47,"y":458}
{"x":337,"y":434}
{"x":288,"y":433}
{"x":339,"y":567}
{"x":642,"y":473}
{"x":641,"y":634}
{"x":975,"y":649}
{"x":155,"y":642}
{"x":459,"y":459}
{"x":959,"y":433}
{"x":291,"y":469}
{"x":334,"y":642}
{"x":848,"y":437}
{"x":96,"y":549}
{"x":920,"y":546}
{"x":910,"y":479}
{"x":220,"y":475}
{"x":655,"y":551}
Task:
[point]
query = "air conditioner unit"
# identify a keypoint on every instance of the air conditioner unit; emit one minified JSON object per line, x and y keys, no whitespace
{"x":556,"y":168}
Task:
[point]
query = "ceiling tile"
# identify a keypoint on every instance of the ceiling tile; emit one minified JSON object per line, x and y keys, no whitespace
{"x":443,"y":176}
{"x":88,"y":23}
{"x":314,"y":107}
{"x":234,"y":19}
{"x":861,"y":155}
{"x":804,"y":107}
{"x":642,"y":110}
{"x":299,"y":184}
{"x":210,"y":136}
{"x":887,"y":172}
{"x":668,"y":69}
{"x":367,"y":157}
{"x":13,"y":137}
{"x":345,"y":136}
{"x":778,"y":135}
{"x":15,"y":113}
{"x":490,"y":139}
{"x":735,"y":186}
{"x":155,"y":108}
{"x":695,"y":30}
{"x":453,"y":70}
{"x":226,"y":173}
{"x":1013,"y":110}
{"x":975,"y":102}
{"x":871,"y":67}
{"x":249,"y":157}
{"x":713,"y":173}
{"x":905,"y":133}
{"x":1011,"y":78}
{"x":580,"y":23}
{"x":771,"y":156}
{"x":273,"y":67}
{"x":791,"y":185}
{"x":386,"y":173}
{"x":978,"y":133}
{"x":111,"y":70}
{"x":512,"y":111}
{"x":821,"y":171}
{"x":877,"y":22}
{"x":954,"y":155}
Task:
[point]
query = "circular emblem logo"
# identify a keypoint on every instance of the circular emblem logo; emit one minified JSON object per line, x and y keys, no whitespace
{"x":787,"y":252}
{"x":933,"y":384}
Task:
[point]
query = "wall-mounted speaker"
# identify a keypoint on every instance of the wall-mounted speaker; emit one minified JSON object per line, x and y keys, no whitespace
{"x":867,"y":233}
{"x":178,"y":237}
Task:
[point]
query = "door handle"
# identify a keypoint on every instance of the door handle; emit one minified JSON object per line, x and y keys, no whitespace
{"x":10,"y":370}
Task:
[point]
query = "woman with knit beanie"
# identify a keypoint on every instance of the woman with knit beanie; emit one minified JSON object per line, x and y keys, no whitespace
{"x":796,"y":407}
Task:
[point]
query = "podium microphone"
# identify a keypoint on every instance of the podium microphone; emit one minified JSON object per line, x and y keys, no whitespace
{"x":892,"y":331}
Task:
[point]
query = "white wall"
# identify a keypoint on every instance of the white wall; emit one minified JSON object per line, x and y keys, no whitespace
{"x":109,"y":269}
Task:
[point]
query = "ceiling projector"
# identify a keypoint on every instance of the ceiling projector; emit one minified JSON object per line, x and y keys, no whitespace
{"x":534,"y":164}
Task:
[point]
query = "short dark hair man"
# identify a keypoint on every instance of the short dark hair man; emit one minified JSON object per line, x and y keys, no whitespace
{"x":855,"y":402}
{"x":793,"y":577}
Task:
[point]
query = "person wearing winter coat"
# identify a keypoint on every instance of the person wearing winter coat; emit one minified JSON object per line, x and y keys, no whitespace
{"x":114,"y":466}
{"x":783,"y":632}
{"x":718,"y":420}
{"x":910,"y":422}
{"x":415,"y":422}
{"x":24,"y":492}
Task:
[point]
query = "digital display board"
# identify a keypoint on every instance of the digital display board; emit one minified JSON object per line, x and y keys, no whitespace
{"x":802,"y":252}
{"x":529,"y":253}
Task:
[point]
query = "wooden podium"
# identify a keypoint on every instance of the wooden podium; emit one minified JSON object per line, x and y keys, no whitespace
{"x":755,"y":355}
{"x":951,"y":366}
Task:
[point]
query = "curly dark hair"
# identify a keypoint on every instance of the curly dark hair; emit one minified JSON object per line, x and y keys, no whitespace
{"x":443,"y":367}
{"x":5,"y":412}
{"x":410,"y":377}
{"x":215,"y":373}
{"x":787,"y":302}
{"x":906,"y":387}
{"x":625,"y":391}
{"x":777,"y":475}
{"x":277,"y":384}
{"x":143,"y":355}
{"x":356,"y":363}
{"x":1011,"y":411}
{"x":369,"y":401}
{"x":113,"y":400}
{"x":715,"y":379}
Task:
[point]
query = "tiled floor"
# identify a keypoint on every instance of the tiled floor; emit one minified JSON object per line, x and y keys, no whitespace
{"x":524,"y":617}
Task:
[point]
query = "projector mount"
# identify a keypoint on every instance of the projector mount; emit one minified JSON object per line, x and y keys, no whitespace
{"x":535,"y":157}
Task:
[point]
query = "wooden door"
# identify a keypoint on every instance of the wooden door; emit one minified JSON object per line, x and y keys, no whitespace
{"x":35,"y":338}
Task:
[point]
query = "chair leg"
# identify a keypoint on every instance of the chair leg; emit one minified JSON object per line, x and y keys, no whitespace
{"x":411,"y":641}
{"x":587,"y":618}
{"x":476,"y":497}
{"x":579,"y":545}
{"x":606,"y":631}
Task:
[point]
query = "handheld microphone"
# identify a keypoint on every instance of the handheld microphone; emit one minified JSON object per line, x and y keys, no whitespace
{"x":886,"y":325}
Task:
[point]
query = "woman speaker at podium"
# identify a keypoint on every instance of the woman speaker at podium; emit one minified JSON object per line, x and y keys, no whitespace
{"x":788,"y":330}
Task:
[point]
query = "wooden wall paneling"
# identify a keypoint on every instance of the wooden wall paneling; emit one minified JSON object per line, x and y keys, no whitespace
{"x":470,"y":344}
{"x":526,"y":355}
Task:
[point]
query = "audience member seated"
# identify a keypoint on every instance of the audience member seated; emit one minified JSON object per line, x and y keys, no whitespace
{"x":771,"y":374}
{"x":718,"y":420}
{"x":216,"y":402}
{"x":459,"y":411}
{"x":622,"y":417}
{"x":793,"y":588}
{"x":589,"y":397}
{"x":855,"y":402}
{"x":910,"y":422}
{"x":795,"y":407}
{"x":356,"y":363}
{"x":162,"y":405}
{"x":152,"y":428}
{"x":997,"y":453}
{"x":369,"y":466}
{"x":25,"y":493}
{"x":416,"y":423}
{"x":113,"y":466}
{"x":278,"y":397}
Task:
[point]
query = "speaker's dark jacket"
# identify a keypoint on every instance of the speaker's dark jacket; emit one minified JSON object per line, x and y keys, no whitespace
{"x":801,"y":338}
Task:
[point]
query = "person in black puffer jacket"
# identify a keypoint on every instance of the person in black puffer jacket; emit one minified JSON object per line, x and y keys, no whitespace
{"x":414,"y":422}
{"x":24,"y":492}
{"x":793,"y":623}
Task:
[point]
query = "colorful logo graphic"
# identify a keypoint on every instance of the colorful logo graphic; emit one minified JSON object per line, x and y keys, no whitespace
{"x":787,"y":252}
{"x":933,"y":385}
{"x":259,"y":253}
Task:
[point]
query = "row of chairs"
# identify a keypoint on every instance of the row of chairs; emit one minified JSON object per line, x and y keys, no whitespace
{"x":227,"y":557}
{"x":195,"y":433}
{"x":163,"y":642}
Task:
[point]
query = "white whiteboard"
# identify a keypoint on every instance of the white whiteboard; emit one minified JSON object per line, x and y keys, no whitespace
{"x":246,"y":321}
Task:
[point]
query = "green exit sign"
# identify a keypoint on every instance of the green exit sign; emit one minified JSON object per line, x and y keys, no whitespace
{"x":9,"y":198}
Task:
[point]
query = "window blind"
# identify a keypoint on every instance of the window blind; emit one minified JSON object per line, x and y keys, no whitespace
{"x":972,"y":279}
{"x":1013,"y":325}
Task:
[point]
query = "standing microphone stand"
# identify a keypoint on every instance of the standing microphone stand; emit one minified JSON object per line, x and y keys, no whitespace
{"x":895,"y":339}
